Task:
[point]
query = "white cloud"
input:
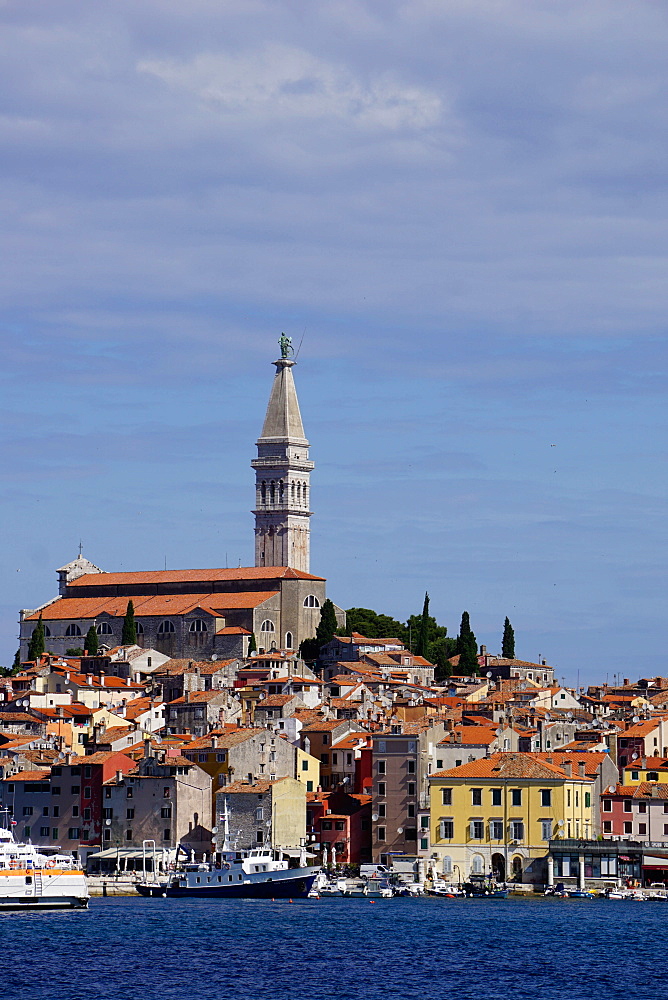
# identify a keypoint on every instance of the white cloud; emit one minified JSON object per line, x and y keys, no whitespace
{"x":281,"y":82}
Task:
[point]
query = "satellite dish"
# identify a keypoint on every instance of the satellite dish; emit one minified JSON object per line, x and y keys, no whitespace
{"x":636,"y":718}
{"x":107,"y":822}
{"x":560,"y":823}
{"x":375,"y":817}
{"x":611,"y":788}
{"x":547,"y":716}
{"x":214,"y":656}
{"x":489,"y":673}
{"x":214,"y":829}
{"x":569,"y":715}
{"x":634,"y":756}
{"x":400,"y":829}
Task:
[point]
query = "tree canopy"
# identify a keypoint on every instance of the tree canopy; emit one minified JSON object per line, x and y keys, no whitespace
{"x":92,"y":641}
{"x":467,"y":647}
{"x":129,"y":634}
{"x":508,"y":643}
{"x":37,"y":641}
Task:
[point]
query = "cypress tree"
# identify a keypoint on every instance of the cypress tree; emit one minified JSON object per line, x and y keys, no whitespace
{"x":252,"y":644}
{"x":328,"y":624}
{"x":129,"y":636}
{"x":37,"y":641}
{"x":508,"y":644}
{"x":16,"y":665}
{"x":467,"y":647}
{"x":92,"y":641}
{"x":422,"y":646}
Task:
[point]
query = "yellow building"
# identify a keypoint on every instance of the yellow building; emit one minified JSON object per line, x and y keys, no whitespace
{"x":308,"y":770}
{"x":645,"y":769}
{"x":499,"y":813}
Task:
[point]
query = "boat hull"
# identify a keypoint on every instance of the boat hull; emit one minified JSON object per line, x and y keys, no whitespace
{"x":295,"y":887}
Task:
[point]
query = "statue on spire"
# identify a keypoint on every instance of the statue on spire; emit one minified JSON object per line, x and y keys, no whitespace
{"x":287,"y":350}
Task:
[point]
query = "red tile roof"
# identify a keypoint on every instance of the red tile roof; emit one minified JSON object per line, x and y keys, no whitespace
{"x":192,"y":576}
{"x":149,"y":605}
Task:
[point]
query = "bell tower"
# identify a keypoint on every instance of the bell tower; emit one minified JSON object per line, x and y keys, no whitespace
{"x":282,"y":475}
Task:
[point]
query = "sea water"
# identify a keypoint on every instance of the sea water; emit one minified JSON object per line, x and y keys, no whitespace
{"x":164,"y":949}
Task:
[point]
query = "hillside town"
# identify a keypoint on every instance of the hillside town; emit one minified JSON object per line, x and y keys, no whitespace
{"x":360,"y":756}
{"x":186,"y":708}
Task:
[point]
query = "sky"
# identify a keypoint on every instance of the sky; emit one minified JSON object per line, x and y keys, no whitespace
{"x":457,"y":208}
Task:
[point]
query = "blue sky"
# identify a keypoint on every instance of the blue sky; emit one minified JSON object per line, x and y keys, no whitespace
{"x":460,"y":205}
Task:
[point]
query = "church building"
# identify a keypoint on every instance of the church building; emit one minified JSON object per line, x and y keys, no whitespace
{"x":213,"y":612}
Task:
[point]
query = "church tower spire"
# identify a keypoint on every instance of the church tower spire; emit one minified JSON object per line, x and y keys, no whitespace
{"x":282,"y":475}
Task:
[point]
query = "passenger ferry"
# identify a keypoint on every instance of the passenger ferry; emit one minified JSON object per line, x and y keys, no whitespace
{"x":30,"y":880}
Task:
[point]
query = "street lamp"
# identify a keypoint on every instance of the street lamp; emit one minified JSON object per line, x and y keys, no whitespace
{"x":459,"y":874}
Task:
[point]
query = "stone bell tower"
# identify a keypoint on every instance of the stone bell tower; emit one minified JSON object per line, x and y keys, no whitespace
{"x":282,"y":475}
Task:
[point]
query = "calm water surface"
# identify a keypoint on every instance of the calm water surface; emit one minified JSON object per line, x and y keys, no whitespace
{"x":158,"y":949}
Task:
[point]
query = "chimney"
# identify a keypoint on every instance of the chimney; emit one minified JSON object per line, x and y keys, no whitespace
{"x":147,"y":749}
{"x":119,"y":777}
{"x":214,"y":742}
{"x":89,"y":679}
{"x":643,"y":762}
{"x":626,"y":682}
{"x":549,"y":760}
{"x":581,"y":768}
{"x":568,"y":768}
{"x":186,"y":697}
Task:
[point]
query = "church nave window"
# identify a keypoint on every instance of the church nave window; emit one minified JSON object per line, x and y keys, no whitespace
{"x":72,"y":630}
{"x":104,"y":628}
{"x":288,"y":640}
{"x":198,"y":625}
{"x":140,"y":628}
{"x":47,"y":632}
{"x":267,"y":626}
{"x":311,"y":601}
{"x":166,"y":627}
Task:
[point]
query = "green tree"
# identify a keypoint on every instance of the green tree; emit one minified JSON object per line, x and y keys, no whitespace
{"x":129,"y":635}
{"x":91,"y":641}
{"x":75,"y":651}
{"x":16,"y":665}
{"x":327,"y":625}
{"x":440,"y":652}
{"x":252,"y":644}
{"x":423,"y":643}
{"x":308,"y":650}
{"x":508,"y":644}
{"x":467,"y":647}
{"x":37,"y":641}
{"x":373,"y":625}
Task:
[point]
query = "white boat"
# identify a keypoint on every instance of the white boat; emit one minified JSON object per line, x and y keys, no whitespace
{"x":253,"y":874}
{"x":30,"y":880}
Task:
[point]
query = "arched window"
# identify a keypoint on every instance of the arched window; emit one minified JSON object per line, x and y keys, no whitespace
{"x":292,"y":491}
{"x":267,"y":626}
{"x":447,"y":865}
{"x":140,"y":628}
{"x":264,"y":492}
{"x":299,"y":493}
{"x":47,"y":631}
{"x":288,"y":640}
{"x":72,"y":630}
{"x":198,"y":625}
{"x":104,"y":628}
{"x":272,"y":492}
{"x":166,"y":627}
{"x":281,"y":490}
{"x":478,"y":864}
{"x":311,"y":601}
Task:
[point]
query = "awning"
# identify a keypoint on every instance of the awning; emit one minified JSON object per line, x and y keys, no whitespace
{"x":121,"y":852}
{"x":294,"y":853}
{"x":653,"y":861}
